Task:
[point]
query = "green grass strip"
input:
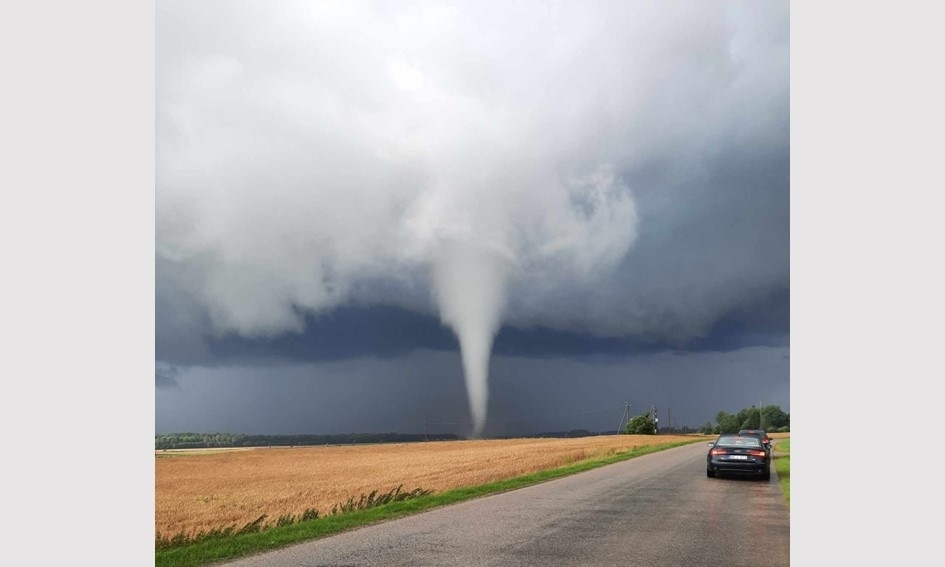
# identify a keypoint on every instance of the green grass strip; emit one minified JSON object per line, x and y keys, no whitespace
{"x":228,"y":548}
{"x":782,"y":465}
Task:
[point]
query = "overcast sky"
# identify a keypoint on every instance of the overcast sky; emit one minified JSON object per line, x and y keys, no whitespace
{"x":501,"y":218}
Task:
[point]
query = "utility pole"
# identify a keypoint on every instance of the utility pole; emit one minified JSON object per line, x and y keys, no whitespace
{"x":624,"y":417}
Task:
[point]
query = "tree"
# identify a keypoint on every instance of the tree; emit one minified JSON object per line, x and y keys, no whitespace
{"x":752,"y":419}
{"x":727,"y":423}
{"x":769,"y":418}
{"x":774,"y":418}
{"x":641,"y":425}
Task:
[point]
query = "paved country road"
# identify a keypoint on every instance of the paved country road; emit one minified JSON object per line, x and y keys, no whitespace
{"x":655,"y":510}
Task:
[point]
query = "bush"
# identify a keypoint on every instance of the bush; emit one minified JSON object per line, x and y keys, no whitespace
{"x":641,"y":425}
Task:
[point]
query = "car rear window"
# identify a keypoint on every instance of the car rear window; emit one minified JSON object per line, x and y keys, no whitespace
{"x":738,"y":441}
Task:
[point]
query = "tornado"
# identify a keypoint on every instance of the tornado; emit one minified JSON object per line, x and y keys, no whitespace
{"x":470,"y":286}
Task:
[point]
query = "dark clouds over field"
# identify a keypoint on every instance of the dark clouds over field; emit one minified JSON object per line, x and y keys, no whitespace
{"x":342,"y":188}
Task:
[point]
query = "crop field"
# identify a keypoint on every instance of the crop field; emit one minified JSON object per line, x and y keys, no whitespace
{"x":199,"y":491}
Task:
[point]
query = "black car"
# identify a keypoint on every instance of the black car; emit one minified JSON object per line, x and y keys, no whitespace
{"x":738,"y":454}
{"x":765,"y":440}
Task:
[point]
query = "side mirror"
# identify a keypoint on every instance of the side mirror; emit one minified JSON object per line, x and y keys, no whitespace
{"x":711,"y":443}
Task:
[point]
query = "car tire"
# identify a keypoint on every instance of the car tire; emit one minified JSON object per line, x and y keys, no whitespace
{"x":710,"y":473}
{"x":766,"y":475}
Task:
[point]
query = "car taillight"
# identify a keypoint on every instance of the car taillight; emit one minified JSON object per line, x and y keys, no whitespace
{"x":718,"y":452}
{"x":758,"y":453}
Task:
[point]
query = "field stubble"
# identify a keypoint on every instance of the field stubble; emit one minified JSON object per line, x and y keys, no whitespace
{"x":200,"y":492}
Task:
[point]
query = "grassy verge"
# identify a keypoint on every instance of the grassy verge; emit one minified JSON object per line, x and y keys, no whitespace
{"x":782,"y":465}
{"x":231,"y":547}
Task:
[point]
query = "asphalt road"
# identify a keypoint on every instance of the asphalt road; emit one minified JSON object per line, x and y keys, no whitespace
{"x":655,"y":510}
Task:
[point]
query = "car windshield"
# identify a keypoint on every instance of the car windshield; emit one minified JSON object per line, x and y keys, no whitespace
{"x":737,"y":441}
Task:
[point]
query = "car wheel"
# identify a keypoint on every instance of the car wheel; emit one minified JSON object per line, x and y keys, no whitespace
{"x":710,"y":473}
{"x":766,"y":475}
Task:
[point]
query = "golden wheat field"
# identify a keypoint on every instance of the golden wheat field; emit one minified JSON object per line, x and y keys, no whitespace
{"x":198,"y":491}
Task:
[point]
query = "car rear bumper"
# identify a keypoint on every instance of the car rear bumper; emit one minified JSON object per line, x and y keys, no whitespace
{"x":732,"y":467}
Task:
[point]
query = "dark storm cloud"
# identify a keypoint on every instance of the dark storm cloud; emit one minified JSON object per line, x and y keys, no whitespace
{"x":165,"y":375}
{"x":389,"y":332}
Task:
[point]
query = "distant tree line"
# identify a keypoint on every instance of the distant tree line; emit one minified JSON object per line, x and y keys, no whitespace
{"x":769,"y":418}
{"x":221,"y":440}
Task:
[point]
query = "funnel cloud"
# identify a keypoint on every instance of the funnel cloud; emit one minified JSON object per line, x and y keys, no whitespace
{"x":470,"y":284}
